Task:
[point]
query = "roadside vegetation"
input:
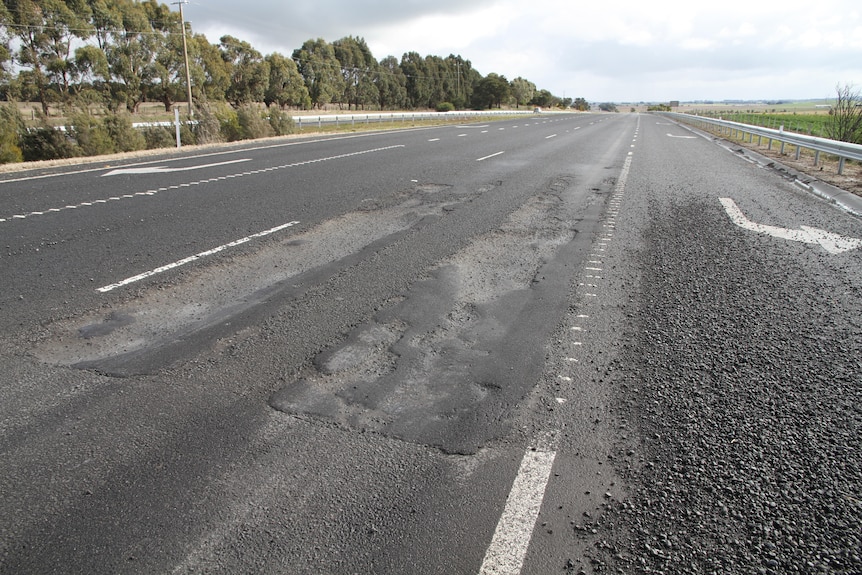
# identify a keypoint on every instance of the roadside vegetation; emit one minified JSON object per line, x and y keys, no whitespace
{"x":840,"y":120}
{"x":75,"y":75}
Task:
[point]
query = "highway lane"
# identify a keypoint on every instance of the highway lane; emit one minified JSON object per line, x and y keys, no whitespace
{"x":181,"y":459}
{"x":175,"y":215}
{"x":566,"y":357}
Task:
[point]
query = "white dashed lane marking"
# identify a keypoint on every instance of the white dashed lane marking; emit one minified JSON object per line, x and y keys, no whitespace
{"x":199,"y":182}
{"x":505,"y":555}
{"x":195,"y":257}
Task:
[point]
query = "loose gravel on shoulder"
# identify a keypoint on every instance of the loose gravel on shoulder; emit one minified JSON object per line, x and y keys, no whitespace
{"x":746,"y":387}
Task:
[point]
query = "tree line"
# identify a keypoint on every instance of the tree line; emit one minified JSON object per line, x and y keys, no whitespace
{"x":122,"y":53}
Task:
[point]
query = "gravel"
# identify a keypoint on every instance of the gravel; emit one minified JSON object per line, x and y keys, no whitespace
{"x":745,"y":384}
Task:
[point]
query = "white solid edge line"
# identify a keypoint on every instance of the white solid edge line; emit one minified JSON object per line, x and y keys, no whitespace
{"x":190,"y":259}
{"x":505,"y":555}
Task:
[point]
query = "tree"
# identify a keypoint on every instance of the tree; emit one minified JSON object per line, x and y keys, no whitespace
{"x":358,"y":69}
{"x":210,"y":73}
{"x":491,"y":91}
{"x":169,"y":69}
{"x":321,"y":71}
{"x":249,"y":74}
{"x":44,"y":32}
{"x":523,"y":91}
{"x":845,"y":117}
{"x":131,"y":54}
{"x":391,"y":84}
{"x":5,"y":47}
{"x":92,"y":66}
{"x":545,"y":99}
{"x":608,"y":107}
{"x":11,"y":127}
{"x":458,"y":80}
{"x":441,"y":81}
{"x":581,"y":104}
{"x":286,"y":87}
{"x":418,"y":82}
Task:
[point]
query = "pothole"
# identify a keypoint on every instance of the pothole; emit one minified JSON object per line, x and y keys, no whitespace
{"x":435,"y":368}
{"x":215,"y":290}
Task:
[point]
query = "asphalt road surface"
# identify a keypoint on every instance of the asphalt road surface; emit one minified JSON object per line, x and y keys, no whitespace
{"x":558,"y":344}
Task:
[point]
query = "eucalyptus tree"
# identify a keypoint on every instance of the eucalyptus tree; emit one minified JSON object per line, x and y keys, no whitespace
{"x":5,"y":47}
{"x":286,"y":87}
{"x":523,"y":91}
{"x":581,"y":104}
{"x":491,"y":91}
{"x":438,"y":76}
{"x":321,"y":71}
{"x":93,"y":73}
{"x":358,"y":69}
{"x":249,"y":73}
{"x":131,"y":54}
{"x":169,"y":69}
{"x":391,"y":84}
{"x":210,"y":73}
{"x":106,"y":19}
{"x":459,"y":80}
{"x":419,"y":86}
{"x":11,"y":129}
{"x":44,"y":32}
{"x":545,"y":99}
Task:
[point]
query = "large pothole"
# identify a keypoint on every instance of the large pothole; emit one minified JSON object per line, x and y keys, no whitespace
{"x":214,"y":292}
{"x":444,"y":366}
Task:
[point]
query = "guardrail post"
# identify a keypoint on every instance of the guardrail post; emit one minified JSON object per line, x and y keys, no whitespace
{"x":840,"y":166}
{"x":319,"y":122}
{"x":300,"y":123}
{"x":816,"y":158}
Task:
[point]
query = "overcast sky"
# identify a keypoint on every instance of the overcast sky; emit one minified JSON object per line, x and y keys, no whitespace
{"x":624,"y":51}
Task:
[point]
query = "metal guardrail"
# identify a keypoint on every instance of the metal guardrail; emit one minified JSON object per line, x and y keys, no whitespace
{"x":376,"y":118}
{"x":401,"y":116}
{"x":843,"y":150}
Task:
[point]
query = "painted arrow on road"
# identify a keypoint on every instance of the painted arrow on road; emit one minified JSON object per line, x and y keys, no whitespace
{"x":683,"y":137}
{"x":832,"y":243}
{"x":164,"y":170}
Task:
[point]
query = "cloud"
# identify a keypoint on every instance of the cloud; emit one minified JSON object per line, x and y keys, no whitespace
{"x":628,"y":51}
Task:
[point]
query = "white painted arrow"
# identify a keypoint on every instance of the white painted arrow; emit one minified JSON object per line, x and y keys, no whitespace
{"x":683,"y":137}
{"x":164,"y":170}
{"x":832,"y":243}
